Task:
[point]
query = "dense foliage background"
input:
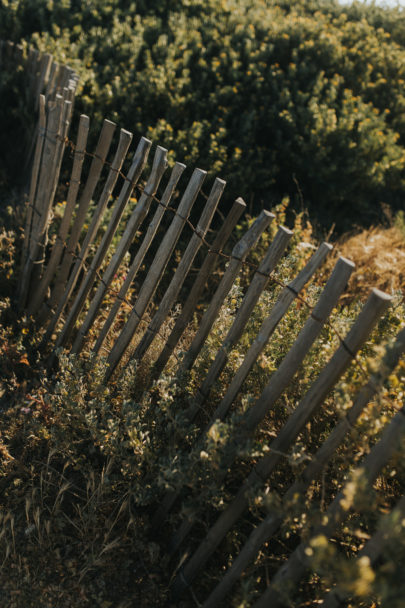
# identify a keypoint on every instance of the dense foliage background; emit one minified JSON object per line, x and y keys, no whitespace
{"x":304,"y":99}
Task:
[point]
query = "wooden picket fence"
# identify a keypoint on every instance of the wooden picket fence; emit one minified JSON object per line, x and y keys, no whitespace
{"x":65,"y":281}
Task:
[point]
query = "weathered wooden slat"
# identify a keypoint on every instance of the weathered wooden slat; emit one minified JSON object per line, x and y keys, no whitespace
{"x":44,"y":69}
{"x":136,"y":219}
{"x":50,"y":87}
{"x":60,"y":79}
{"x":374,"y":307}
{"x":156,"y":270}
{"x":206,"y":269}
{"x":34,"y":58}
{"x":182,"y":270}
{"x":41,"y":205}
{"x":60,"y":148}
{"x":269,"y":526}
{"x":299,"y":561}
{"x":238,"y":256}
{"x":113,"y":174}
{"x":137,"y":167}
{"x":46,"y":177}
{"x":34,"y":179}
{"x":291,"y":362}
{"x":71,"y":198}
{"x":140,"y":254}
{"x":67,"y":74}
{"x":97,"y":164}
{"x":256,"y":287}
{"x":259,"y":280}
{"x":268,"y":327}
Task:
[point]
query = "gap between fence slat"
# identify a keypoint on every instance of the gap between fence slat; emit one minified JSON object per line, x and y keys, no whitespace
{"x":71,"y":198}
{"x":138,"y":215}
{"x":206,"y":270}
{"x":156,"y":270}
{"x":298,"y":563}
{"x":96,"y":167}
{"x":138,"y":164}
{"x":284,"y":374}
{"x":238,"y":256}
{"x":259,"y":281}
{"x":121,"y":152}
{"x":269,"y":325}
{"x":170,"y":296}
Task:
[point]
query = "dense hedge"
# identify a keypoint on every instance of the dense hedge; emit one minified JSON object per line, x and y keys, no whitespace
{"x":304,"y":99}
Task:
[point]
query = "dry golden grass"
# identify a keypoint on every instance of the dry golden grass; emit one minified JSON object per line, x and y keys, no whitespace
{"x":379,"y":255}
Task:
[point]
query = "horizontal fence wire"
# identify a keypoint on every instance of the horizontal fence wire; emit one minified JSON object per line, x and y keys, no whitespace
{"x":219,"y":252}
{"x":110,"y":289}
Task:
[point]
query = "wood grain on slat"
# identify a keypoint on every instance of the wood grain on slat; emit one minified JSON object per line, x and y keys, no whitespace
{"x":170,"y":296}
{"x":59,"y":152}
{"x":238,"y":256}
{"x":122,"y":149}
{"x":41,"y":203}
{"x":138,"y":215}
{"x":71,"y":198}
{"x":207,"y":268}
{"x":34,"y":178}
{"x":156,"y":270}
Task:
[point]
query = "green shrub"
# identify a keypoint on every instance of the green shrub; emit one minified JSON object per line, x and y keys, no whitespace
{"x":305,"y":101}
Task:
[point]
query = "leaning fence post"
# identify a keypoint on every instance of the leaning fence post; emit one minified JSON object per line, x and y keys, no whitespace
{"x":91,"y":274}
{"x":122,"y":149}
{"x":299,"y":562}
{"x":42,"y":199}
{"x":60,"y":148}
{"x":138,"y":215}
{"x":238,"y":256}
{"x":96,"y":167}
{"x":59,"y":244}
{"x":97,"y":164}
{"x":291,"y":362}
{"x":206,"y":269}
{"x":34,"y":179}
{"x":177,"y":171}
{"x":182,"y":270}
{"x":156,"y":270}
{"x":286,"y":298}
{"x":256,"y":287}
